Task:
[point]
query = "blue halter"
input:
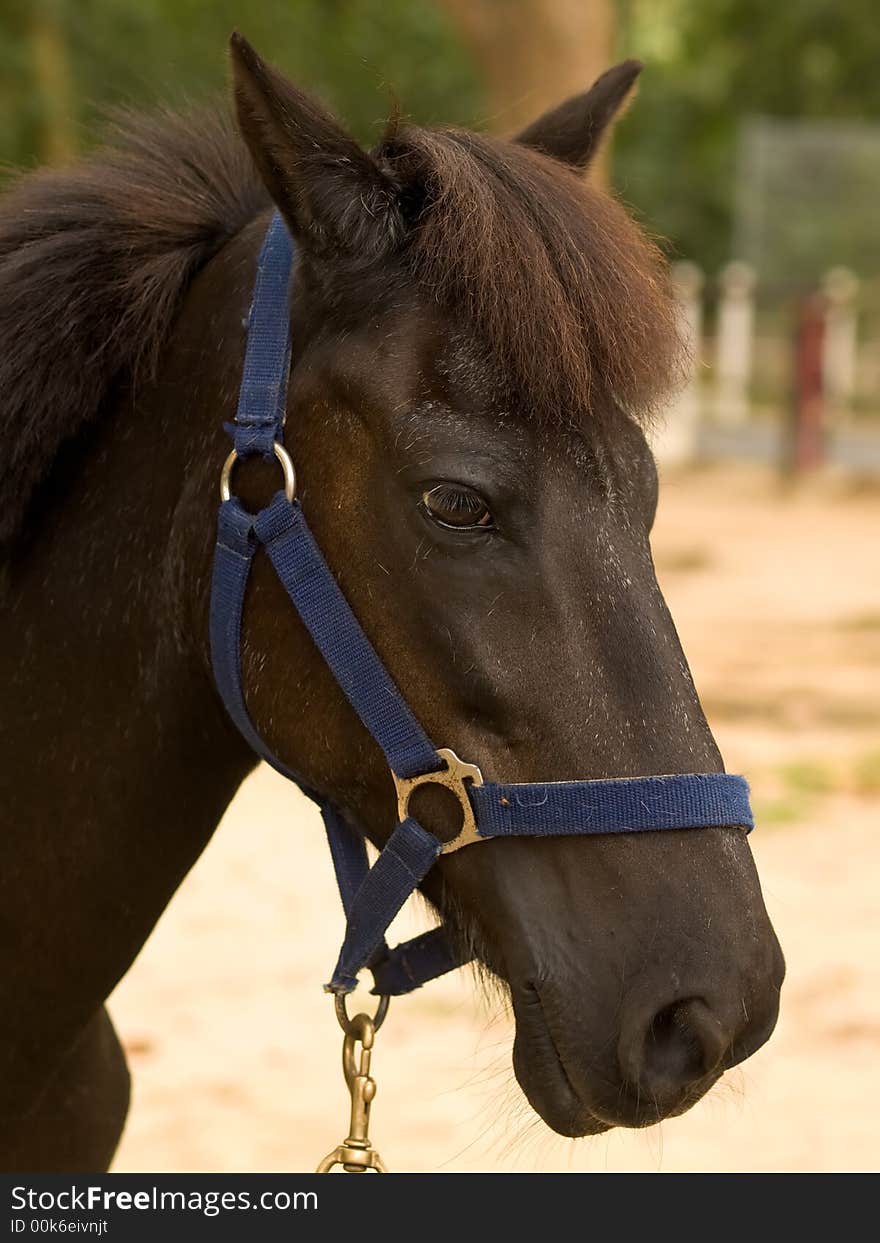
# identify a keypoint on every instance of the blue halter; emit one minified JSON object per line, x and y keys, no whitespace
{"x":371,"y":897}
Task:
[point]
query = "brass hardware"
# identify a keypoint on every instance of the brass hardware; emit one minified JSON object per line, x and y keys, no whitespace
{"x":355,"y":1154}
{"x":347,"y":1024}
{"x":452,"y":777}
{"x":286,"y":465}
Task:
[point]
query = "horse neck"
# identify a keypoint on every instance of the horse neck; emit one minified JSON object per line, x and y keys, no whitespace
{"x":118,"y":758}
{"x":109,"y":596}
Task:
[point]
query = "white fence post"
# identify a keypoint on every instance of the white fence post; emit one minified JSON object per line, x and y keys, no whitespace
{"x":733,"y":351}
{"x":675,"y":442}
{"x":839,"y":347}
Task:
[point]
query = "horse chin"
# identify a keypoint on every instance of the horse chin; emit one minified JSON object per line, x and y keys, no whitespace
{"x":540,"y":1072}
{"x":556,"y":1104}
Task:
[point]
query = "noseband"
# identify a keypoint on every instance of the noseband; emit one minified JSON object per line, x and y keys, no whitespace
{"x":372,"y":896}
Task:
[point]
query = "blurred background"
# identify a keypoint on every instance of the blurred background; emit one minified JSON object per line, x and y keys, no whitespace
{"x":753,"y":153}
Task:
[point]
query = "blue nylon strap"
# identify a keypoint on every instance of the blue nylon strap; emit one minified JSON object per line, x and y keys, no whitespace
{"x":233,"y":556}
{"x":407,"y":966}
{"x":403,"y":863}
{"x":621,"y":805}
{"x":412,"y":964}
{"x":348,"y":851}
{"x":336,"y":631}
{"x":263,"y":394}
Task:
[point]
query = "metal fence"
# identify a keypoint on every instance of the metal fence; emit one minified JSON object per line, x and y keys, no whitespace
{"x":785,"y":341}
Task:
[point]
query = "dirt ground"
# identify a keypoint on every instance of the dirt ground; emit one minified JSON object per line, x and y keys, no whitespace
{"x":234,"y":1048}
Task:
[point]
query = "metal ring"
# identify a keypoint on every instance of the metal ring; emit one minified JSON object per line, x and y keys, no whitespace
{"x":452,"y":778}
{"x":286,"y":465}
{"x":348,"y":1024}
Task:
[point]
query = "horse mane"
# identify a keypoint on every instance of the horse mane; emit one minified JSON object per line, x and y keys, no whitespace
{"x":553,"y":273}
{"x":555,"y":277}
{"x":94,"y":260}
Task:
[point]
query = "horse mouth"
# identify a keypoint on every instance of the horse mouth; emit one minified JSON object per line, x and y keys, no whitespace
{"x":541,"y":1072}
{"x":548,"y":1082}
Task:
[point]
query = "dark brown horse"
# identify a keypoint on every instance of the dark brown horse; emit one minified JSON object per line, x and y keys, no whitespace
{"x":479,"y":335}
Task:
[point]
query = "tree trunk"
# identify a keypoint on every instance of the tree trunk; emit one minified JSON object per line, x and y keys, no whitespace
{"x":534,"y":53}
{"x":52,"y":78}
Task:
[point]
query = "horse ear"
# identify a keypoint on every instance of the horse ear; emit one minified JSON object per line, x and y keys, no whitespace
{"x":332,"y":194}
{"x":573,"y":131}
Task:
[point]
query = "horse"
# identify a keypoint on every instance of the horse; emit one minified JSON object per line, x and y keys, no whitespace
{"x":480,"y":338}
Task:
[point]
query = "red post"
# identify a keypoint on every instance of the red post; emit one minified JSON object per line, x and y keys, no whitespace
{"x":807,"y":439}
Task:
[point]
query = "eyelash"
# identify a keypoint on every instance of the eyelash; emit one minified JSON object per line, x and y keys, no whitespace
{"x":458,"y":501}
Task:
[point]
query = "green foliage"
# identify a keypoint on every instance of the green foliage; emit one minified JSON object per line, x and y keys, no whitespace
{"x":710,"y":65}
{"x":352,"y":53}
{"x":867,"y":774}
{"x":807,"y":777}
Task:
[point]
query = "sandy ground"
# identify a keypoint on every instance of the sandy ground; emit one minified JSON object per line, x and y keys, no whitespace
{"x":233,"y":1046}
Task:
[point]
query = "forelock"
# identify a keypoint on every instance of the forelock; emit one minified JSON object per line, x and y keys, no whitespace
{"x":549,"y":271}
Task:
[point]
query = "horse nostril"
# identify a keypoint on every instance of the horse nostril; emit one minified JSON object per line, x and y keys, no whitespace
{"x":683,"y":1043}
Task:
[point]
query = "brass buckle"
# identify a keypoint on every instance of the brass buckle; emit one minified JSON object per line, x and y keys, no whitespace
{"x":453,"y":777}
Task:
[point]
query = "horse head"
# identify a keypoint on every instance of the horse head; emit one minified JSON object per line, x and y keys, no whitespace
{"x":479,"y":337}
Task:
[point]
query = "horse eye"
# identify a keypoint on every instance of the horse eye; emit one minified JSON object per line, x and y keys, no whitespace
{"x":452,"y":505}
